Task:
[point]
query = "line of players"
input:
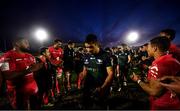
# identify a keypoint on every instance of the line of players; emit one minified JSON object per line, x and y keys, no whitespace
{"x":35,"y":81}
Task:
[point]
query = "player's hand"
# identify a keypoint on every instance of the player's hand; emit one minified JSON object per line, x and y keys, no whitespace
{"x":135,"y":77}
{"x":171,"y":83}
{"x":99,"y":91}
{"x":36,"y":67}
{"x":172,"y":78}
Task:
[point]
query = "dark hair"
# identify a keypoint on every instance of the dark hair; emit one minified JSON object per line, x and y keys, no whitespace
{"x":141,"y":47}
{"x":163,"y":43}
{"x":80,"y":49}
{"x":107,"y":49}
{"x":124,"y":45}
{"x":91,"y":38}
{"x":146,"y":44}
{"x":113,"y":47}
{"x":70,"y":42}
{"x":43,"y":50}
{"x":170,"y":32}
{"x":57,"y":40}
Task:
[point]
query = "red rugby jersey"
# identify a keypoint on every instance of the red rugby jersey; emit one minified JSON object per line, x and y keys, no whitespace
{"x":16,"y":62}
{"x":56,"y":55}
{"x":164,"y":66}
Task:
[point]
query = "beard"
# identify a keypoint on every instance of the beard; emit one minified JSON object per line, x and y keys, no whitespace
{"x":24,"y":49}
{"x":58,"y":46}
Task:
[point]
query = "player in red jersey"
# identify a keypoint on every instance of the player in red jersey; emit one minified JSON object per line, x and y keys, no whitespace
{"x":17,"y":68}
{"x":163,"y":65}
{"x":170,"y":34}
{"x":56,"y":53}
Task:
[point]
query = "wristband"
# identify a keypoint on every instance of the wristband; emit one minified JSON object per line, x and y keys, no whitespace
{"x":138,"y":81}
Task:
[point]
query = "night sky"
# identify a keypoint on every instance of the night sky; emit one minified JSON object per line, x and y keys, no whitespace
{"x":110,"y":20}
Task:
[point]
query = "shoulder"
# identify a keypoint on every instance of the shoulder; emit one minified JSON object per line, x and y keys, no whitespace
{"x":106,"y":57}
{"x":104,"y":53}
{"x":10,"y":52}
{"x":86,"y":56}
{"x":60,"y":50}
{"x":7,"y":55}
{"x":51,"y":48}
{"x":167,"y":60}
{"x":66,"y":49}
{"x":30,"y":55}
{"x":173,"y":48}
{"x":168,"y":65}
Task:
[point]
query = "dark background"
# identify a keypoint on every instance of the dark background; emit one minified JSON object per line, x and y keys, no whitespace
{"x":110,"y":20}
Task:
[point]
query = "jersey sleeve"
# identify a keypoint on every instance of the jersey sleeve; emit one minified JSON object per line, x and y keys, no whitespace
{"x":6,"y":63}
{"x":168,"y":68}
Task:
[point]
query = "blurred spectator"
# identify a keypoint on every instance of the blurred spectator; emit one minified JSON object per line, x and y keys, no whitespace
{"x":145,"y":61}
{"x":69,"y":62}
{"x":123,"y":63}
{"x":78,"y":64}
